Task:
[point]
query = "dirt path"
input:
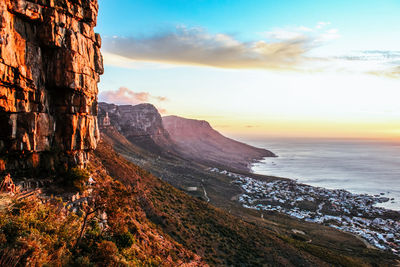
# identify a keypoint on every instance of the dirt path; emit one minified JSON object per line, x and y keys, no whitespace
{"x":205,"y":194}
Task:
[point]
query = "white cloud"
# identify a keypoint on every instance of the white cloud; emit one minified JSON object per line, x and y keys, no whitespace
{"x":376,"y":62}
{"x":194,"y":46}
{"x":285,"y":48}
{"x":115,"y":60}
{"x":282,"y":34}
{"x":322,"y":24}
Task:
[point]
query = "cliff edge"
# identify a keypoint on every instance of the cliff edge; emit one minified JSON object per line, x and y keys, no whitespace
{"x":50,"y":64}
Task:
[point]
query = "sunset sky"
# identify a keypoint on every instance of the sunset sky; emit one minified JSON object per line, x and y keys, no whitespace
{"x":258,"y":68}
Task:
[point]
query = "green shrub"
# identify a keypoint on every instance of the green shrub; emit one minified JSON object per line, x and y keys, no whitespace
{"x":124,"y":240}
{"x":77,"y":178}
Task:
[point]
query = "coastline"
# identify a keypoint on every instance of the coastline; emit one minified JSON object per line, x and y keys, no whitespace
{"x":255,"y":160}
{"x":359,"y":166}
{"x":337,"y":208}
{"x":297,"y":180}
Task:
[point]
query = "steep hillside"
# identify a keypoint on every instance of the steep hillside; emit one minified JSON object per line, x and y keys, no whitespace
{"x":106,"y":225}
{"x":199,"y":141}
{"x":140,"y":124}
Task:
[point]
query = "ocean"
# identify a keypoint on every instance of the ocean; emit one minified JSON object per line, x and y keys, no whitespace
{"x":359,"y":166}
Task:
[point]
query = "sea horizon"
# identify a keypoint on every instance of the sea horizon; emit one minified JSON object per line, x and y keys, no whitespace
{"x":362,"y":166}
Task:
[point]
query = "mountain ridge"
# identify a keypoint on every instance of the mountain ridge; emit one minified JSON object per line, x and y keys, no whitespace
{"x":143,"y":125}
{"x":197,"y":139}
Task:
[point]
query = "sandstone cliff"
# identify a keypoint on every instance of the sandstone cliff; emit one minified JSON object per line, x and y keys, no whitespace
{"x":197,"y":140}
{"x":50,"y":64}
{"x":140,"y":124}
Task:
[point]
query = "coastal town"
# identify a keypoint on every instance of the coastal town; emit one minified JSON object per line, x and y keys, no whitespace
{"x":340,"y":209}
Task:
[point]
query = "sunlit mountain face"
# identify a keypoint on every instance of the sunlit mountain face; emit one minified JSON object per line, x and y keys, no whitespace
{"x":261,"y":68}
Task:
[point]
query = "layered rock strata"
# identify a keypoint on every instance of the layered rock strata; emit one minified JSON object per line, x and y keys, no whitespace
{"x":50,"y":64}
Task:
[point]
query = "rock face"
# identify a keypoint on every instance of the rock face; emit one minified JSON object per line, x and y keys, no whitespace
{"x":140,"y":124}
{"x":197,"y":140}
{"x":50,"y":64}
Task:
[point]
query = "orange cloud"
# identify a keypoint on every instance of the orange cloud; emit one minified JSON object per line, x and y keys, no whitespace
{"x":125,"y":96}
{"x":162,"y":111}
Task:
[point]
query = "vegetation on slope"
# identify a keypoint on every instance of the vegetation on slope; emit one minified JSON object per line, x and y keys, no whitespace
{"x":217,"y":236}
{"x":316,"y":239}
{"x":135,"y":219}
{"x":111,"y":230}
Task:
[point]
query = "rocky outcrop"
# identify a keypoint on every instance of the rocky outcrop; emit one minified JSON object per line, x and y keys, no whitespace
{"x":7,"y":185}
{"x":50,"y":64}
{"x":140,"y":124}
{"x":197,"y":140}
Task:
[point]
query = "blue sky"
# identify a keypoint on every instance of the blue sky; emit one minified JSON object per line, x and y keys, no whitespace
{"x":303,"y":68}
{"x":370,"y":20}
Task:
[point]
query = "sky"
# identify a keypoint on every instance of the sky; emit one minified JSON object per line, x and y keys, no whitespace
{"x":258,"y":68}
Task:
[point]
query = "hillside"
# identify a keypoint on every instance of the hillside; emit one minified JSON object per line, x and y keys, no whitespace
{"x":128,"y":217}
{"x":199,"y":141}
{"x":216,"y":236}
{"x":108,"y":223}
{"x":321,"y":241}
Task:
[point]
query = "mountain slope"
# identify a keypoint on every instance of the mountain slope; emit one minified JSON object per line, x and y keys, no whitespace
{"x":199,"y":141}
{"x":325,"y":243}
{"x":140,"y":124}
{"x":195,"y":140}
{"x":216,"y":236}
{"x":128,"y":217}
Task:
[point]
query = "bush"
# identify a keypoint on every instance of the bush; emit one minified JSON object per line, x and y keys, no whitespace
{"x":124,"y":240}
{"x":106,"y":253}
{"x":11,"y":230}
{"x":82,"y":261}
{"x":36,"y":234}
{"x":77,"y":178}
